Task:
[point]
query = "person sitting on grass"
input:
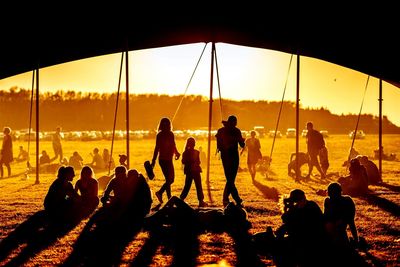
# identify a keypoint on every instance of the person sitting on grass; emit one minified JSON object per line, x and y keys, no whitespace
{"x":62,"y":202}
{"x":356,"y":183}
{"x":88,"y":188}
{"x":177,"y":214}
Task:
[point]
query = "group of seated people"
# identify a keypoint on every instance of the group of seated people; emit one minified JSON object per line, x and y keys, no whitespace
{"x":309,"y":236}
{"x":127,"y":190}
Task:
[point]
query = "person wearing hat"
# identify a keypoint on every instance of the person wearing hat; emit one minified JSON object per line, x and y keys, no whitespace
{"x":122,"y":160}
{"x":228,"y":139}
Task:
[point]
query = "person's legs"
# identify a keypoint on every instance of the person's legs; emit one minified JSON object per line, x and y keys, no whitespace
{"x":186,"y":188}
{"x":167,"y":168}
{"x":312,"y":163}
{"x":8,"y":169}
{"x":199,"y":187}
{"x":1,"y":169}
{"x":252,"y":170}
{"x":230,"y":173}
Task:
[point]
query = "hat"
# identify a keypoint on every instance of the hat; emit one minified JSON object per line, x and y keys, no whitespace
{"x":296,"y":195}
{"x":231,"y":120}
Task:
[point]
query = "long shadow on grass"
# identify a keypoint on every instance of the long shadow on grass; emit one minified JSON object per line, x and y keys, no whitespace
{"x":394,"y":188}
{"x":38,"y":232}
{"x":383,"y":203}
{"x":268,"y":192}
{"x":181,"y":240}
{"x":103,"y":240}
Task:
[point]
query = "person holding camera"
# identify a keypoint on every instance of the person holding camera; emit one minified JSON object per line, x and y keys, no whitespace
{"x":302,"y":231}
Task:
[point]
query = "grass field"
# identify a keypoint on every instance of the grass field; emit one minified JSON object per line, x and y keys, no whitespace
{"x":377,"y":216}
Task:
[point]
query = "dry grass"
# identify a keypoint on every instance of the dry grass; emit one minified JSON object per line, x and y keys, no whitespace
{"x":377,"y":217}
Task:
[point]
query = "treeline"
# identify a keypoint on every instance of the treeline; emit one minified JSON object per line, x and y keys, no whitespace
{"x":94,"y":111}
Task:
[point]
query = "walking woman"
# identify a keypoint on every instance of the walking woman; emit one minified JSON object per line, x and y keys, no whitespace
{"x":6,"y":151}
{"x":253,"y":153}
{"x":165,"y":149}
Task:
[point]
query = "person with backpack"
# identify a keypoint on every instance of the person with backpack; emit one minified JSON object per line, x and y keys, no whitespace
{"x":315,"y":143}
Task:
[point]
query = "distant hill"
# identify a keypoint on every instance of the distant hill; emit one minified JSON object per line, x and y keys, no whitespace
{"x":93,"y":111}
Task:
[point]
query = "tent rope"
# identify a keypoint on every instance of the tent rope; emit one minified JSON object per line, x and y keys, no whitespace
{"x":28,"y":164}
{"x":188,"y":84}
{"x":280,"y":108}
{"x":219,"y":85}
{"x":116,"y":112}
{"x":358,"y":120}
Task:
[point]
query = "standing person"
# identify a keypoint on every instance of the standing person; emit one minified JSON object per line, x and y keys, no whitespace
{"x":192,"y":170}
{"x":88,"y":188}
{"x":165,"y":149}
{"x":57,"y":147}
{"x":315,"y":142}
{"x":6,"y":151}
{"x":228,"y":139}
{"x":253,"y":153}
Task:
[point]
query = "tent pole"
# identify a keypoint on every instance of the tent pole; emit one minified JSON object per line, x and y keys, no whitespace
{"x":127,"y":104}
{"x":37,"y":126}
{"x":210,"y":120}
{"x":297,"y":113}
{"x":380,"y":126}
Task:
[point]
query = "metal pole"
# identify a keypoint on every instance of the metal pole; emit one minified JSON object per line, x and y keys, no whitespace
{"x":297,"y":114}
{"x":210,"y":121}
{"x":37,"y":126}
{"x":127,"y":104}
{"x":380,"y":126}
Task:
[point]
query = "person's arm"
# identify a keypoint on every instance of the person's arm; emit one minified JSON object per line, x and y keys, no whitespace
{"x":176,"y":152}
{"x":155,"y":153}
{"x":107,"y":192}
{"x":243,"y":148}
{"x":241,"y":139}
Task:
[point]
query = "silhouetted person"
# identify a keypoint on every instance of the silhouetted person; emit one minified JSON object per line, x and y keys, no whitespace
{"x":87,"y":187}
{"x":57,"y":147}
{"x":228,"y":139}
{"x":356,"y":183}
{"x":374,"y":177}
{"x":117,"y":186}
{"x":97,"y":160}
{"x":352,"y":154}
{"x":123,"y":160}
{"x":315,"y":142}
{"x":22,"y":155}
{"x":165,"y":149}
{"x":6,"y":152}
{"x":140,"y":199}
{"x":203,"y":157}
{"x":253,"y":147}
{"x":192,"y":171}
{"x":178,"y":213}
{"x":76,"y":161}
{"x":301,"y":235}
{"x":108,"y":160}
{"x":44,"y":158}
{"x":303,"y":158}
{"x":61,"y":201}
{"x":339,"y":213}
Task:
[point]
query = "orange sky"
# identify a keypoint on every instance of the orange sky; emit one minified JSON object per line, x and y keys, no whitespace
{"x":245,"y":73}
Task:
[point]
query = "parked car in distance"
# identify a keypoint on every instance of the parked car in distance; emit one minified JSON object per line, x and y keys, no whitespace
{"x":360,"y":134}
{"x":272,"y":134}
{"x":290,"y":133}
{"x":304,"y":133}
{"x":324,"y":133}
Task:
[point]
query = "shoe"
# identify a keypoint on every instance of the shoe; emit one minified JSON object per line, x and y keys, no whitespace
{"x":203,"y":204}
{"x":159,"y":196}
